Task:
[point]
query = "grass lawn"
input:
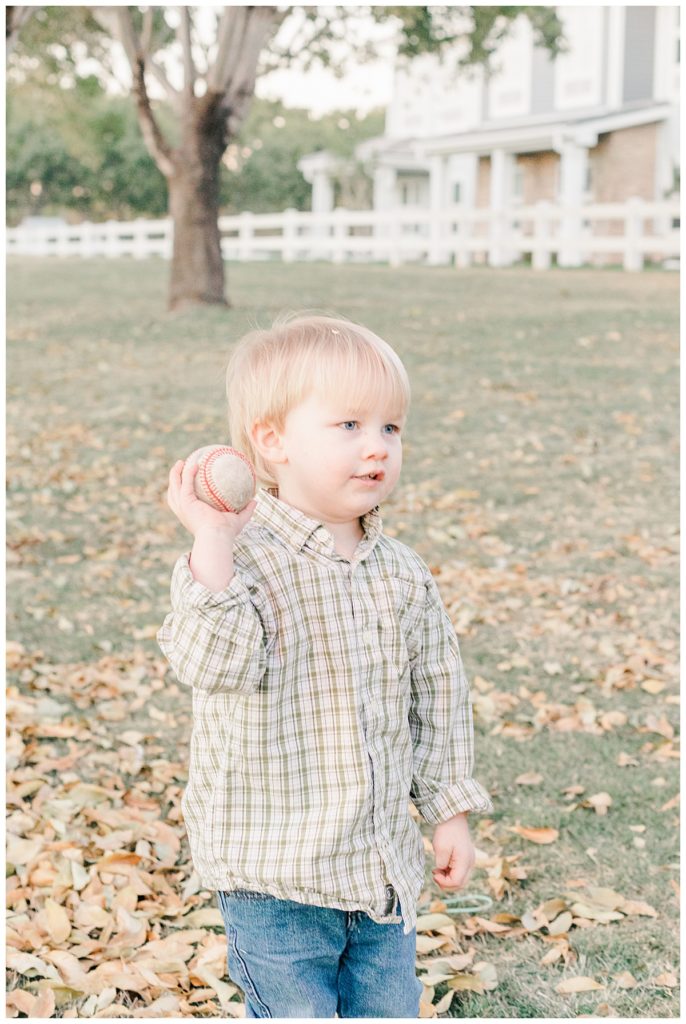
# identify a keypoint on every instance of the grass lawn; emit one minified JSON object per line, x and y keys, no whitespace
{"x":540,"y":482}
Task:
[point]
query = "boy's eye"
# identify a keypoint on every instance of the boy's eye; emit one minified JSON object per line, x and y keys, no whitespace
{"x":390,"y":428}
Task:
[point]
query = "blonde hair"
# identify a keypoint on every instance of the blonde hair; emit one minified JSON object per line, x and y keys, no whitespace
{"x":274,"y":369}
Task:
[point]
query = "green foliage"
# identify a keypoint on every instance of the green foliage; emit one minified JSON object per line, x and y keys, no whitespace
{"x":432,"y":29}
{"x":267,"y":178}
{"x":84,"y":150}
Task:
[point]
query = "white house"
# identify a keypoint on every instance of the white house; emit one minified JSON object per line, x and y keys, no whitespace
{"x":598,"y":123}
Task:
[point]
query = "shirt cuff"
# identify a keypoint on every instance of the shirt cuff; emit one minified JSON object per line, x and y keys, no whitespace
{"x":188,"y":593}
{"x":466,"y":795}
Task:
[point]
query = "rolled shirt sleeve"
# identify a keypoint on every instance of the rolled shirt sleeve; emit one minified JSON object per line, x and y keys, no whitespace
{"x":214,"y":641}
{"x":441,"y":721}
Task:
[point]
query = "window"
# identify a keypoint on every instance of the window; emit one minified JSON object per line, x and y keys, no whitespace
{"x":457,"y":190}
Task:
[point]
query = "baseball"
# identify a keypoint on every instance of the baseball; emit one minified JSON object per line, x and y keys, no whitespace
{"x":225,"y":478}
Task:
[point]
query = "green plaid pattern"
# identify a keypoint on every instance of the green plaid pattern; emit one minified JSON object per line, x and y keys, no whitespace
{"x":327,"y":693}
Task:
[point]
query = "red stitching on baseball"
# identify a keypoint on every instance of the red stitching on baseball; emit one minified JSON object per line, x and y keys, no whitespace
{"x":208,"y":460}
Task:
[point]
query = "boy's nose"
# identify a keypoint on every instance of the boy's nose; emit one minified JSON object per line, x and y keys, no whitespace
{"x":375,"y":448}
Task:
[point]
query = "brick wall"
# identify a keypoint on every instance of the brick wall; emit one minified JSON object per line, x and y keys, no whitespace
{"x":624,"y":164}
{"x":539,"y":174}
{"x":483,"y":182}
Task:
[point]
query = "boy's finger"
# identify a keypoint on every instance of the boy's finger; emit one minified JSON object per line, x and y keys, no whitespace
{"x":456,"y":877}
{"x":187,"y":476}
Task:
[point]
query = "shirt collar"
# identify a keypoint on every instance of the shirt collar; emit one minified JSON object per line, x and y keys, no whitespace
{"x":298,"y":530}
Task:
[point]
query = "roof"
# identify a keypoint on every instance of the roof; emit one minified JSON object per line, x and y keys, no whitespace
{"x":524,"y":134}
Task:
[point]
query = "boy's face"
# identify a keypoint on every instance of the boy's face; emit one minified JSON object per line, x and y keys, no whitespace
{"x":325,"y":450}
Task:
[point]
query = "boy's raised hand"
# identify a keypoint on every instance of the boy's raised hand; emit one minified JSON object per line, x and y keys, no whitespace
{"x":195,"y":514}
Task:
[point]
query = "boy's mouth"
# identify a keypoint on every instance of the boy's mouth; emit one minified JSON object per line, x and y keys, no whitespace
{"x":378,"y":475}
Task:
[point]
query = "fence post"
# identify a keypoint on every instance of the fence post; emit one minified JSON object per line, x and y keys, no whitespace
{"x":339,"y":235}
{"x":540,"y":259}
{"x":110,"y":229}
{"x":633,"y":232}
{"x":463,"y":233}
{"x":435,"y":254}
{"x":139,"y":229}
{"x":32,"y":245}
{"x":290,"y":234}
{"x":62,"y":242}
{"x":85,"y":248}
{"x":496,"y":242}
{"x":245,"y":228}
{"x":395,"y":255}
{"x":571,"y":230}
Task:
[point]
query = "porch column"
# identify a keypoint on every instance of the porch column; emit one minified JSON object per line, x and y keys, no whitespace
{"x":437,"y":212}
{"x":385,"y":199}
{"x":573,"y":170}
{"x":502,"y":168}
{"x":322,"y":192}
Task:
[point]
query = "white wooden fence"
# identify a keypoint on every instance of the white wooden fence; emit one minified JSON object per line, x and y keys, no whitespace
{"x":626,"y":233}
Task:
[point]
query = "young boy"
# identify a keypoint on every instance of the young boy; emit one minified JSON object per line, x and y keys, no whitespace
{"x":328,"y":688}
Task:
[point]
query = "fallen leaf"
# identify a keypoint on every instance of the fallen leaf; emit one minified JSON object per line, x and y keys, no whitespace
{"x":542,"y":836}
{"x":666,"y":979}
{"x":579,"y":984}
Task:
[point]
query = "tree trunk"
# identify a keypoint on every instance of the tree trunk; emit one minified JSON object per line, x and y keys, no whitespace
{"x":197,"y":272}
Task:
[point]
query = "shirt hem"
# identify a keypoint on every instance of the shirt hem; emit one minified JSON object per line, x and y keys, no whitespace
{"x":309,"y":897}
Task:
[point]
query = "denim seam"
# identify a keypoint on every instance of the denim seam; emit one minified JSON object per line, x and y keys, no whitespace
{"x":248,"y":985}
{"x":248,"y":894}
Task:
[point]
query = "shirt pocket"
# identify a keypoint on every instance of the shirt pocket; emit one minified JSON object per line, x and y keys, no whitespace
{"x":399,"y":605}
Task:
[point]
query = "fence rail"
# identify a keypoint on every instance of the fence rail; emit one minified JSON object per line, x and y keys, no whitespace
{"x":627,"y":233}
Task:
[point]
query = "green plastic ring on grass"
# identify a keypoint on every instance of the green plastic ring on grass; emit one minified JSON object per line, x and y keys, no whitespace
{"x":459,"y":905}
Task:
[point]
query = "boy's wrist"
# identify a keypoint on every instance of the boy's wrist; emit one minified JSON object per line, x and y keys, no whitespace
{"x":456,"y":818}
{"x":212,"y":532}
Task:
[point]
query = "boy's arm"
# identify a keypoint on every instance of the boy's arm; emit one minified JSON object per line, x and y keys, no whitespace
{"x":441,"y":720}
{"x":214,"y":637}
{"x":214,"y":641}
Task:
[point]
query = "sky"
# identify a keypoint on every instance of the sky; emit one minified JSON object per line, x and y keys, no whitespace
{"x":319,"y":91}
{"x":364,"y":87}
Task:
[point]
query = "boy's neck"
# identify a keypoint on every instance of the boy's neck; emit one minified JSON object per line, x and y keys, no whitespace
{"x":346,"y":536}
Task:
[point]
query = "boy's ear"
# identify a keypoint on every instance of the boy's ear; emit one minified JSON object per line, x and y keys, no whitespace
{"x":268,"y":442}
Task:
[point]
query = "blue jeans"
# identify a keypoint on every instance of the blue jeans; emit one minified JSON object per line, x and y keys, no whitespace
{"x":296,"y":960}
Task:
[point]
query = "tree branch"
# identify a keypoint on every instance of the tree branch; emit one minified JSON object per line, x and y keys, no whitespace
{"x":238,"y":82}
{"x":183,"y":34}
{"x":231,"y":26}
{"x":146,"y":34}
{"x":118,"y":21}
{"x":15,"y":17}
{"x":157,"y":145}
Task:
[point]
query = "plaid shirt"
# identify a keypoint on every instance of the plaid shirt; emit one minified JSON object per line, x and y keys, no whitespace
{"x":327,"y":693}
